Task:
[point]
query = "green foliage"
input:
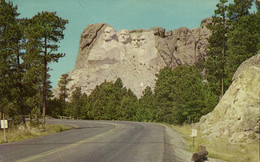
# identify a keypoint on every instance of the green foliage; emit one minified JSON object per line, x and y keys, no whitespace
{"x":33,"y":63}
{"x":146,"y":110}
{"x":257,"y":26}
{"x":216,"y":55}
{"x":27,"y":46}
{"x":235,"y":38}
{"x":55,"y":107}
{"x":110,"y":101}
{"x":35,"y":115}
{"x":182,"y":96}
{"x":239,"y":9}
{"x":62,"y":84}
{"x":246,"y":27}
{"x":74,"y":108}
{"x":128,"y":106}
{"x":10,"y":66}
{"x":63,"y":95}
{"x":49,"y":31}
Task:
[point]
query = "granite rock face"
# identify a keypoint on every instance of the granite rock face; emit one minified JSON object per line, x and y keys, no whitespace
{"x":237,"y":116}
{"x":135,"y":56}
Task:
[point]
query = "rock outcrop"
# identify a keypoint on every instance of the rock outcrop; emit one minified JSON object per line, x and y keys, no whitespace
{"x":237,"y":115}
{"x":135,"y":56}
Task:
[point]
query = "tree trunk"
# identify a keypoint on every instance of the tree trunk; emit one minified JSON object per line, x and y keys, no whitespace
{"x":1,"y":112}
{"x":44,"y":101}
{"x":223,"y":56}
{"x":223,"y":74}
{"x":20,"y":98}
{"x":44,"y":94}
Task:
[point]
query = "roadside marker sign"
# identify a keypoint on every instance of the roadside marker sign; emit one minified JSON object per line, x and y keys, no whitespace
{"x":194,"y":132}
{"x":4,"y":124}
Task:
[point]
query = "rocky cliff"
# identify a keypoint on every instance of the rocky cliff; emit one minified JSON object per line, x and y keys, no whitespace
{"x":135,"y":56}
{"x":237,"y":115}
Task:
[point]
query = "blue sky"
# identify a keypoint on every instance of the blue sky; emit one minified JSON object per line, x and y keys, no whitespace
{"x":121,"y":14}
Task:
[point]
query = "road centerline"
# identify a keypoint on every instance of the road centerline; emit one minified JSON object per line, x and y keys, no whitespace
{"x":34,"y":157}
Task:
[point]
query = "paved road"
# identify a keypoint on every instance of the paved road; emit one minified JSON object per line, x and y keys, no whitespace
{"x":95,"y":141}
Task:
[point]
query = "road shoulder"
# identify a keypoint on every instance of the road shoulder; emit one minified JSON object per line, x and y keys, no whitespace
{"x":176,"y":140}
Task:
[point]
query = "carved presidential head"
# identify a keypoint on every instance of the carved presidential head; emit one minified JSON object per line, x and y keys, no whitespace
{"x":123,"y":36}
{"x":135,"y":40}
{"x":142,"y":40}
{"x":109,"y":34}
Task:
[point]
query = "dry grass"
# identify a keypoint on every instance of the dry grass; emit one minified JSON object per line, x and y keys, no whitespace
{"x":221,"y":148}
{"x":20,"y":133}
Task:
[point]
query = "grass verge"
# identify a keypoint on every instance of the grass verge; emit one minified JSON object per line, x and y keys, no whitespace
{"x":220,"y":148}
{"x":20,"y":133}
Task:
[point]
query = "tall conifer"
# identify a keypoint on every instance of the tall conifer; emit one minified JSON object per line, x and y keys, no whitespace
{"x":50,"y":28}
{"x":216,"y":55}
{"x":10,"y":65}
{"x":243,"y":37}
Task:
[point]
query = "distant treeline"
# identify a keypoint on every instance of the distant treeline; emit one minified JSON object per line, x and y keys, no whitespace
{"x":180,"y":95}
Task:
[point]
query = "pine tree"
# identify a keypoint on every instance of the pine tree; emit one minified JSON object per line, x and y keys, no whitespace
{"x":63,"y":95}
{"x":10,"y":66}
{"x":128,"y":106}
{"x":146,"y":110}
{"x":216,"y":55}
{"x":32,"y":63}
{"x":50,"y":29}
{"x":239,"y":9}
{"x":76,"y":103}
{"x":63,"y":83}
{"x":20,"y":72}
{"x":110,"y":101}
{"x":181,"y":96}
{"x":164,"y":96}
{"x":243,"y":37}
{"x":258,"y":25}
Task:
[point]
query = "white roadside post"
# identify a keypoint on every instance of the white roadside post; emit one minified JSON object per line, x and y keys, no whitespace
{"x":4,"y":124}
{"x":194,"y":133}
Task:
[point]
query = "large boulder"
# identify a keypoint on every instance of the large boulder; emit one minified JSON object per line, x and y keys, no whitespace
{"x":237,"y":115}
{"x":135,"y":56}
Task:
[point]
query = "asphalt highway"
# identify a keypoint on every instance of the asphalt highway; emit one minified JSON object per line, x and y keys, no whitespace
{"x":95,"y":141}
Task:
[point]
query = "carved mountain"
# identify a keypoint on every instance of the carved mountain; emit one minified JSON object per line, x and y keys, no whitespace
{"x":135,"y":56}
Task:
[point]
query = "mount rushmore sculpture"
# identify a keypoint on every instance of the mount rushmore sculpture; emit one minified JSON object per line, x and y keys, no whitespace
{"x":135,"y":56}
